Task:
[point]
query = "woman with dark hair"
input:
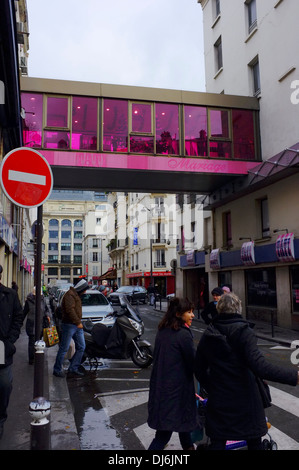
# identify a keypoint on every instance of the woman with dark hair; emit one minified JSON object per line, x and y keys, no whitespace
{"x":172,"y":405}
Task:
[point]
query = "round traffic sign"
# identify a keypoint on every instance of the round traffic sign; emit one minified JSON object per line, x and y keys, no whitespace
{"x":26,"y":177}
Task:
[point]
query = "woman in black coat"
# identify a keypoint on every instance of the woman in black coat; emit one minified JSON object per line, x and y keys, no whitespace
{"x":226,"y":365}
{"x":172,"y":406}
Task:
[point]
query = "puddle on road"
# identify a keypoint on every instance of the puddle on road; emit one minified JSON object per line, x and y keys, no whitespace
{"x":96,"y":433}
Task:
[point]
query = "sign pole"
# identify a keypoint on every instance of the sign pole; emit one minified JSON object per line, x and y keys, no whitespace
{"x":27,"y":180}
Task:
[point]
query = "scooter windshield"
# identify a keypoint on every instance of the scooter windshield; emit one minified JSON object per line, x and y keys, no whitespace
{"x":132,"y":311}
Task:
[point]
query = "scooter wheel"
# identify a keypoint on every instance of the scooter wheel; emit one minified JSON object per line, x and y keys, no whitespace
{"x":144,"y":359}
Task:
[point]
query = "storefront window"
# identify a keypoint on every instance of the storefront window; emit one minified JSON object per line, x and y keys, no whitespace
{"x":84,"y":123}
{"x":167,"y":129}
{"x":196,"y":130}
{"x":261,"y":287}
{"x":115,"y":126}
{"x":295,"y":288}
{"x":32,"y":104}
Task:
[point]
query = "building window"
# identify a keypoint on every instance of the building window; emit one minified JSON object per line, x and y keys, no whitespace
{"x":53,"y":234}
{"x":217,"y":8}
{"x":53,"y":247}
{"x":66,"y":234}
{"x":53,"y":223}
{"x":256,"y":80}
{"x":220,"y":133}
{"x":167,"y":129}
{"x":141,"y":127}
{"x":265,"y":218}
{"x":84,"y":123}
{"x":65,"y":271}
{"x":52,"y":271}
{"x":65,"y":247}
{"x":57,"y":128}
{"x":218,"y":54}
{"x":115,"y":125}
{"x":252,"y":15}
{"x":227,"y":230}
{"x":65,"y":259}
{"x":32,"y":105}
{"x":196,"y":131}
{"x":244,"y":136}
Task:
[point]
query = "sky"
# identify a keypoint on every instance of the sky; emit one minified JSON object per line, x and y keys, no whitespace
{"x":151,"y":43}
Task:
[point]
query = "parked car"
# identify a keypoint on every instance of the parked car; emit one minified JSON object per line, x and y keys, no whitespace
{"x":96,"y":307}
{"x":133,"y":294}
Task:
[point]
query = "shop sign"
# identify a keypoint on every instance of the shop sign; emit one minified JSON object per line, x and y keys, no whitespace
{"x":215,"y":259}
{"x":247,"y":253}
{"x":285,"y":247}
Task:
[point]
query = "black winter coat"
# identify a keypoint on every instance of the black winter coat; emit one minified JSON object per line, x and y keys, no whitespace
{"x":11,"y":320}
{"x":227,"y":361}
{"x":172,"y":405}
{"x":29,"y":311}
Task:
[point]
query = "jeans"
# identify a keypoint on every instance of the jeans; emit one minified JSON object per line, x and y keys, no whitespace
{"x":163,"y":437}
{"x":68,"y":332}
{"x":5,"y":391}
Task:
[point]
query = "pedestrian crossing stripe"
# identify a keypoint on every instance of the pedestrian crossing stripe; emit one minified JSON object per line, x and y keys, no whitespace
{"x":120,"y":401}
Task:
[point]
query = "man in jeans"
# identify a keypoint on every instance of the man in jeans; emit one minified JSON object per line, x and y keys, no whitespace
{"x":71,"y":328}
{"x":11,"y":320}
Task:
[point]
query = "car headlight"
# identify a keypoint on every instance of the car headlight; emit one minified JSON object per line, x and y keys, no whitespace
{"x":136,"y":325}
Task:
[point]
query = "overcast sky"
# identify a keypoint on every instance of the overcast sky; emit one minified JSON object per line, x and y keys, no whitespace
{"x":153,"y":43}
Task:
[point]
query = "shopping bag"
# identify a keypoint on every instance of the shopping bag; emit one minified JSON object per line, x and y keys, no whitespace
{"x":50,"y":336}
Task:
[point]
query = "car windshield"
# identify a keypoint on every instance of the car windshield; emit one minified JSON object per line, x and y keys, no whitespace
{"x":125,"y":289}
{"x":93,"y":299}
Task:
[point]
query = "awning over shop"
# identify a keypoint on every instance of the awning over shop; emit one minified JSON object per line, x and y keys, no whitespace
{"x":110,"y":274}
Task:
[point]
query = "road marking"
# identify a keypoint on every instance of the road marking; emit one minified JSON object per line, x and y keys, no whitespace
{"x":115,"y":404}
{"x":285,"y":401}
{"x":23,"y":177}
{"x":283,"y":441}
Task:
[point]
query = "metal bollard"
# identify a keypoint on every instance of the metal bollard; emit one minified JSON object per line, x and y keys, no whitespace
{"x":39,"y":410}
{"x":39,"y":407}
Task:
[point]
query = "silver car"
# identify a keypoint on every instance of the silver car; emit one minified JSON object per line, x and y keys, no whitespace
{"x":96,"y":307}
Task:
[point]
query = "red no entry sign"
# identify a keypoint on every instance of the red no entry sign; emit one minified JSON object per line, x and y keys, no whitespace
{"x":26,"y":177}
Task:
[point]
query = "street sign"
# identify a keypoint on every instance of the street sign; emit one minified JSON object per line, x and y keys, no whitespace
{"x":26,"y":177}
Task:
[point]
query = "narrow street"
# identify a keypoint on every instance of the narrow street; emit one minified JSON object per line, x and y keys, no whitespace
{"x":110,"y":403}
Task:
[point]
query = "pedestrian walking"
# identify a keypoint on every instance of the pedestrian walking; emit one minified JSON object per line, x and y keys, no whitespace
{"x":229,"y":366}
{"x":210,"y":312}
{"x":29,"y":314}
{"x":71,"y":328}
{"x":11,"y":320}
{"x":172,"y":405}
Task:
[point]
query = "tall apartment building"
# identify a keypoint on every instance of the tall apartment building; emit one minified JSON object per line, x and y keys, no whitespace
{"x":251,"y":50}
{"x":143,"y":239}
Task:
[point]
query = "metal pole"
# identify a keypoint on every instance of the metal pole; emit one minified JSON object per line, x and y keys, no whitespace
{"x":39,"y":408}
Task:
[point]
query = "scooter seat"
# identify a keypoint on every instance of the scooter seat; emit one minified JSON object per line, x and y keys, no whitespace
{"x":100,"y":334}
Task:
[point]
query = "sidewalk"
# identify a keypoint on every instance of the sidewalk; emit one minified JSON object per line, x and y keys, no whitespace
{"x":63,"y":430}
{"x":17,"y":428}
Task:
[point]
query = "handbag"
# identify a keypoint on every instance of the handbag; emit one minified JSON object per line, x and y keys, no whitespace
{"x":50,"y":336}
{"x":264,"y":390}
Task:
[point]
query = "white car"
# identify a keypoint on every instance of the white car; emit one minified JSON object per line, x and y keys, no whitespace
{"x":96,"y":307}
